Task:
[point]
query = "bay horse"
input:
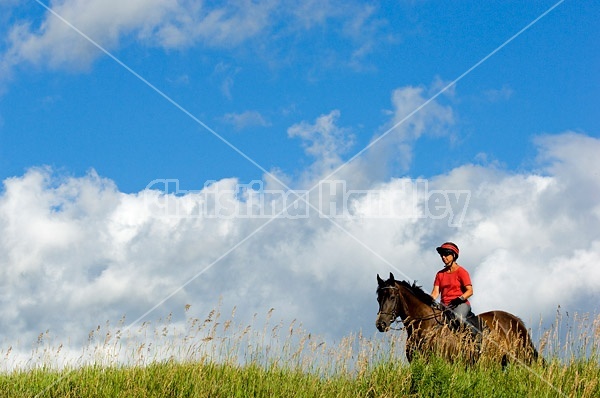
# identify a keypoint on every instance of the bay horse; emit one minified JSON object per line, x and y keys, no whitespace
{"x":503,"y":335}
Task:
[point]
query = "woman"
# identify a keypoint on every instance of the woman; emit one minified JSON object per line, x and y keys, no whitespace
{"x":453,"y":282}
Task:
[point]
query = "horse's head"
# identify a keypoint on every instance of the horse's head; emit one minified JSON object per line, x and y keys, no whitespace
{"x":388,"y":298}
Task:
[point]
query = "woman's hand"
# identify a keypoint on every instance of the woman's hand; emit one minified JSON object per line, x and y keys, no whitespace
{"x":457,"y":301}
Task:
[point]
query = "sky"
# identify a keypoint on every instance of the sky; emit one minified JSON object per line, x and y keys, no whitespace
{"x":257,"y":155}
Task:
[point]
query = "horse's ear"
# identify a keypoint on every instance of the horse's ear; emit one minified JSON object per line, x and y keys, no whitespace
{"x":392,"y":277}
{"x":379,"y":280}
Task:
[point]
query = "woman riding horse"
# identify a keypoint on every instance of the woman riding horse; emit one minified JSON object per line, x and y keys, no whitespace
{"x":506,"y":336}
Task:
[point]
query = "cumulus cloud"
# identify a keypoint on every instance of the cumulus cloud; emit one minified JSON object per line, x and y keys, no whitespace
{"x":76,"y":252}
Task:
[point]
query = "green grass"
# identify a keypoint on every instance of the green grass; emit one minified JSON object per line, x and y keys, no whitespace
{"x":214,"y":361}
{"x":433,"y":378}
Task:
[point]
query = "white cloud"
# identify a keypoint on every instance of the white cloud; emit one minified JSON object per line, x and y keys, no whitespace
{"x":77,"y":252}
{"x":432,"y":117}
{"x":171,"y":24}
{"x":241,"y":121}
{"x":325,"y":141}
{"x":58,"y":45}
{"x":414,"y":114}
{"x":163,"y":23}
{"x":496,"y":95}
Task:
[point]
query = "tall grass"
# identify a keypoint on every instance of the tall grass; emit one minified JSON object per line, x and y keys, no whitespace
{"x":212,"y":357}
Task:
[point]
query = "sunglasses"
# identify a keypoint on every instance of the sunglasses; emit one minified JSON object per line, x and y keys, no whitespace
{"x":446,"y":252}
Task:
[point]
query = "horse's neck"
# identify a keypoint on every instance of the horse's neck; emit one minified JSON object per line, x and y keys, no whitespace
{"x":413,"y":309}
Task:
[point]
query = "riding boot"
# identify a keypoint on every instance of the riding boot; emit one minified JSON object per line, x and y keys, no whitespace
{"x":475,"y":326}
{"x":452,"y":320}
{"x":474,"y":323}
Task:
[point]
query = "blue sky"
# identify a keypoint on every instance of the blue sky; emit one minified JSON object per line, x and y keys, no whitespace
{"x":277,"y":92}
{"x":86,"y":111}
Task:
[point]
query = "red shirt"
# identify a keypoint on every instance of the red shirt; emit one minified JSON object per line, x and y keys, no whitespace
{"x":452,"y":284}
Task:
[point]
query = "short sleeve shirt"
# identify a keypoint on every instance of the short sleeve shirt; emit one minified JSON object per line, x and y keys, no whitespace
{"x":452,"y":284}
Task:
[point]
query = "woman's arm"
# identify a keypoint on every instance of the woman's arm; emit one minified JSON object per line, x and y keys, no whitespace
{"x":468,"y":292}
{"x":435,"y":292}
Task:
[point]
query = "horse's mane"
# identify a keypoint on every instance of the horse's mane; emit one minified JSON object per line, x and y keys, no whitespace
{"x":418,"y":291}
{"x":414,"y":289}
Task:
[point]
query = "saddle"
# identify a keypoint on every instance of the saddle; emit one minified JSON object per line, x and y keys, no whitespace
{"x":472,"y":322}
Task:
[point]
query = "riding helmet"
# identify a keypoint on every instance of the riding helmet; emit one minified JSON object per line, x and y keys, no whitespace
{"x":448,"y":246}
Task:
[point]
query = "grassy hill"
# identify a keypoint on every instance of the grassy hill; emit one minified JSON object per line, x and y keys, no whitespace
{"x":287,"y":362}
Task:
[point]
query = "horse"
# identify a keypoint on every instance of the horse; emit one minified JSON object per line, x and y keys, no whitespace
{"x":503,"y":335}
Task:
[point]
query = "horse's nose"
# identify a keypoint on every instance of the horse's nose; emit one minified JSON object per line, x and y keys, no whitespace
{"x":381,"y":326}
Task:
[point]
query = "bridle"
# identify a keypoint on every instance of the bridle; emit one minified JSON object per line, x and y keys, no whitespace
{"x":435,"y":315}
{"x":393,"y":313}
